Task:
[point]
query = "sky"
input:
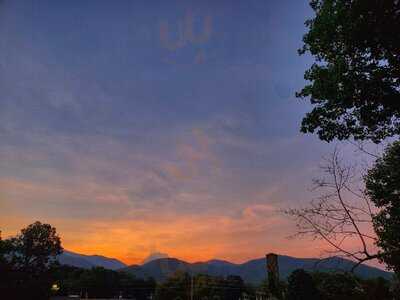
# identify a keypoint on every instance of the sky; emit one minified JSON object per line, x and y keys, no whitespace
{"x":139,"y":127}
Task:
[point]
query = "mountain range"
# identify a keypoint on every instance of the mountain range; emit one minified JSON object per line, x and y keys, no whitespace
{"x":89,"y":261}
{"x":253,"y":271}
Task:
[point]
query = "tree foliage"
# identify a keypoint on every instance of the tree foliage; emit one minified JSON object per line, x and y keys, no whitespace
{"x":395,"y":288}
{"x":355,"y":82}
{"x":301,"y":286}
{"x":179,"y":286}
{"x":34,"y":249}
{"x":101,"y":283}
{"x":377,"y":288}
{"x":339,"y":286}
{"x":383,"y":187}
{"x":175,"y":287}
{"x":26,"y":262}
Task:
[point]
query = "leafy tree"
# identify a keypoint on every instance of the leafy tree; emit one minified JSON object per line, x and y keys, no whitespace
{"x":263,"y":288}
{"x":377,"y":288}
{"x":338,"y":286}
{"x":301,"y":286}
{"x":68,"y":279}
{"x":3,"y":261}
{"x":395,"y":288}
{"x":383,"y":188}
{"x":175,"y":287}
{"x":234,"y":287}
{"x":208,"y":287}
{"x":355,"y":81}
{"x":179,"y":286}
{"x":35,"y":249}
{"x":5,"y":269}
{"x":27,"y":260}
{"x":101,"y":283}
{"x":131,"y":287}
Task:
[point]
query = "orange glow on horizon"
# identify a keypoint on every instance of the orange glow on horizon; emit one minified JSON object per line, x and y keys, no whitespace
{"x":133,"y":241}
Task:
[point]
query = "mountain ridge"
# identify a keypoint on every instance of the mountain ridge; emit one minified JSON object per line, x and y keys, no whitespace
{"x":89,"y":261}
{"x":252,"y":271}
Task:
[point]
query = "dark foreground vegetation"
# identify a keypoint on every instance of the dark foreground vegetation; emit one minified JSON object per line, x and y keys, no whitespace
{"x":29,"y":270}
{"x":354,"y":88}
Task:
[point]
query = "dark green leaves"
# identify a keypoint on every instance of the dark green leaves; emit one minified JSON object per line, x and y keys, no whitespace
{"x":355,"y":82}
{"x":383,"y":188}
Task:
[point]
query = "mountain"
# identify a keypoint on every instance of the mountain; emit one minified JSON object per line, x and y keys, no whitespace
{"x":253,"y":271}
{"x":154,"y":256}
{"x":89,"y":261}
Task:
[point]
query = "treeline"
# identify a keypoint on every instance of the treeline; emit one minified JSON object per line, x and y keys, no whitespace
{"x":181,"y":286}
{"x":29,"y":270}
{"x":302,"y":285}
{"x":100,"y":283}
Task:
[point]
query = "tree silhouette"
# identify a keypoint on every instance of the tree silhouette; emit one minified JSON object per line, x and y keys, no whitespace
{"x":27,"y":260}
{"x":383,"y":188}
{"x":355,"y":80}
{"x":342,"y":212}
{"x":301,"y":286}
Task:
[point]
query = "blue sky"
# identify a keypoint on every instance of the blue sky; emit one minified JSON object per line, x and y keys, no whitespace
{"x":170,"y":126}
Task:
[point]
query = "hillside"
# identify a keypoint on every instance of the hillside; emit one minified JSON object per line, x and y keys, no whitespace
{"x":253,"y":271}
{"x":89,"y":261}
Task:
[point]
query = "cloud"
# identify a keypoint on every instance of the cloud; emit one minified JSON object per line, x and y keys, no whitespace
{"x":125,"y":154}
{"x":154,"y":256}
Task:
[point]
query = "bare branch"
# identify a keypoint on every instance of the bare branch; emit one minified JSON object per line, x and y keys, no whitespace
{"x":339,"y":212}
{"x":360,"y":147}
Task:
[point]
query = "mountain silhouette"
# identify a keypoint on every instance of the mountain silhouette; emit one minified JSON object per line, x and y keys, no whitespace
{"x":89,"y":261}
{"x":253,"y":271}
{"x":154,"y":256}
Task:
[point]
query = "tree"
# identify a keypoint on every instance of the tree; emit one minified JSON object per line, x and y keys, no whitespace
{"x":208,"y":287}
{"x":355,"y":81}
{"x":175,"y":287}
{"x":101,"y":283}
{"x":234,"y":287}
{"x":301,"y":286}
{"x":383,"y":187}
{"x":339,"y":286}
{"x":342,"y":212}
{"x":3,"y":260}
{"x":395,"y":288}
{"x":180,"y":284}
{"x":35,"y":249}
{"x":27,"y":260}
{"x":377,"y":288}
{"x":5,"y":268}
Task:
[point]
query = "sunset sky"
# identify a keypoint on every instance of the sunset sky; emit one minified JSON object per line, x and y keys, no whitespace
{"x":136,"y":127}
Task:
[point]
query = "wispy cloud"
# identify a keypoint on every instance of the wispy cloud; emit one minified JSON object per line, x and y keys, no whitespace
{"x":125,"y":153}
